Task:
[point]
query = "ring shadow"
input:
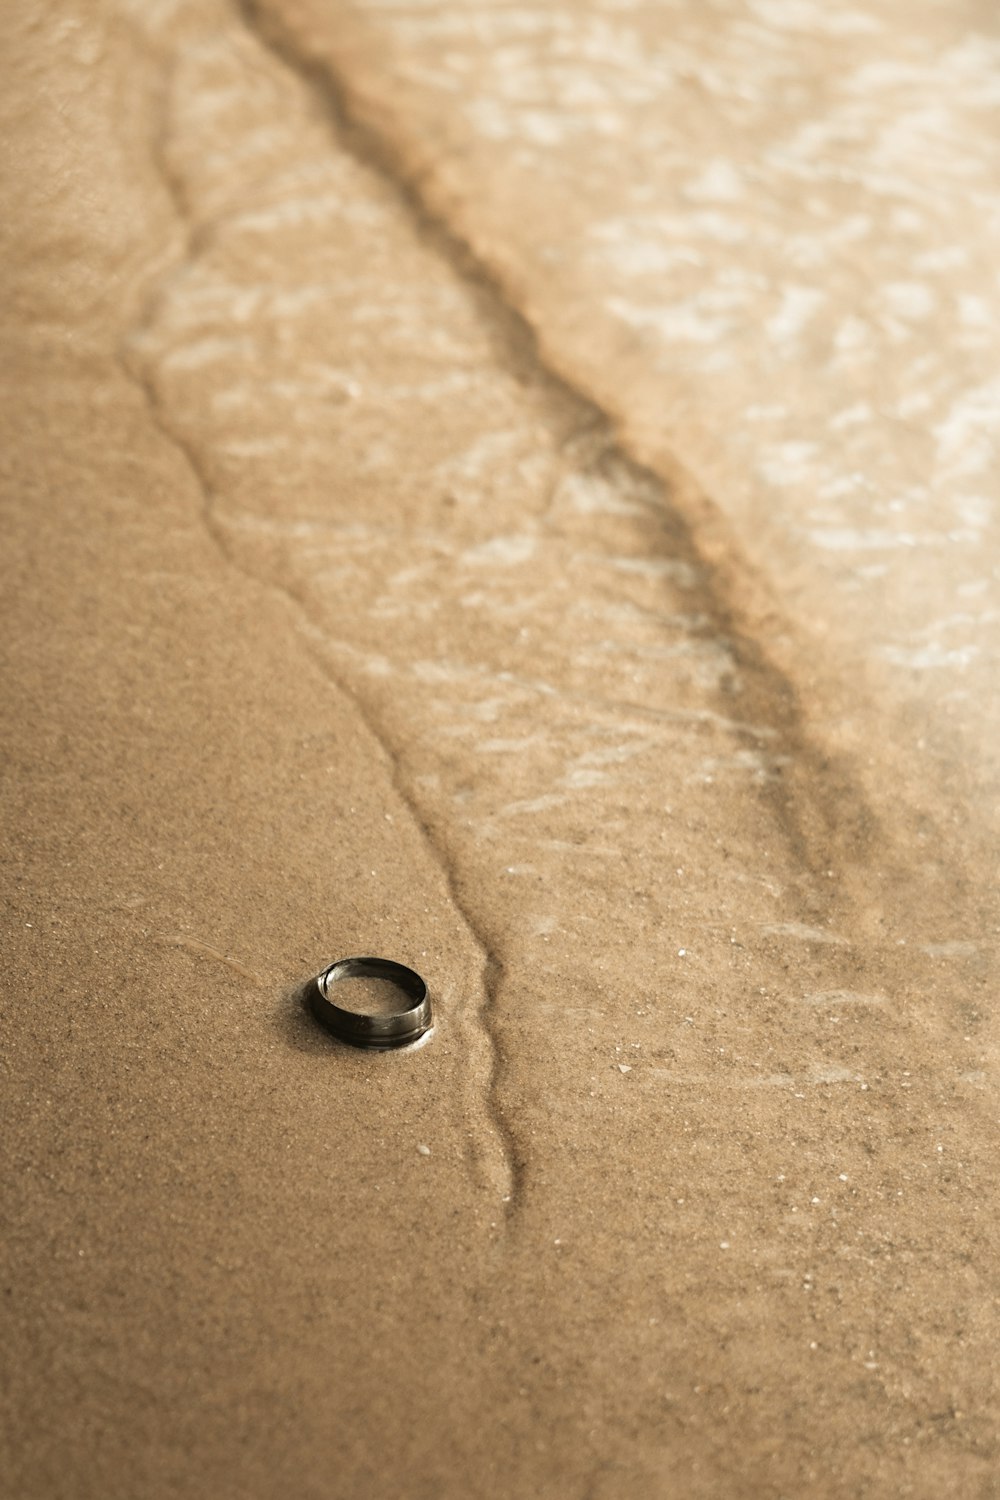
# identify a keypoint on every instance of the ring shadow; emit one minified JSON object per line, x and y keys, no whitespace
{"x":298,"y":1028}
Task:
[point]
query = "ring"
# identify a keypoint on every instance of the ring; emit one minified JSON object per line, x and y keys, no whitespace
{"x":396,"y":1029}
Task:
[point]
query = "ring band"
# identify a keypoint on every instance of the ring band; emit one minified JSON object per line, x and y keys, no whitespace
{"x":395,"y":1029}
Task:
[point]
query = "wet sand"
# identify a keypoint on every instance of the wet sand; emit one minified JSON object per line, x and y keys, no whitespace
{"x":357,"y":600}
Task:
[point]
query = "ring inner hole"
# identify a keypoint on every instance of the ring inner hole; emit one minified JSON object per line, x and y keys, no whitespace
{"x":369,"y":997}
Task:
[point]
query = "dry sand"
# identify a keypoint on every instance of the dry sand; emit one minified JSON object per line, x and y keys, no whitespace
{"x":356,"y":599}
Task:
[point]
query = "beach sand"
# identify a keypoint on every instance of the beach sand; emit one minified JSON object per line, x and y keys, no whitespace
{"x":369,"y":587}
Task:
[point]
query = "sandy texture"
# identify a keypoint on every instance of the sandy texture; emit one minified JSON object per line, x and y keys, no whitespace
{"x":367,"y":589}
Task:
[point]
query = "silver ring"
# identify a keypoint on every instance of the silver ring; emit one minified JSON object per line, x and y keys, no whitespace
{"x":398,"y":1028}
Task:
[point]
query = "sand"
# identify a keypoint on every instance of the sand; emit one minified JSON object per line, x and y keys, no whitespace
{"x":368,"y":589}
